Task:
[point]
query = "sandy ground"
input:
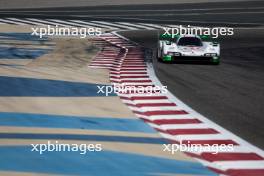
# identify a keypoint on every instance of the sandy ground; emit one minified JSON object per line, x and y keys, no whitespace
{"x":13,"y":28}
{"x":68,"y":61}
{"x":92,"y":106}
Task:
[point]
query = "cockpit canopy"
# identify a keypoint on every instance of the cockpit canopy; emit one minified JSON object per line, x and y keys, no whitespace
{"x":189,"y":41}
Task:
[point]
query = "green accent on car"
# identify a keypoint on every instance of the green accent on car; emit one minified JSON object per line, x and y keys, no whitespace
{"x":167,"y":58}
{"x":216,"y":60}
{"x":204,"y":37}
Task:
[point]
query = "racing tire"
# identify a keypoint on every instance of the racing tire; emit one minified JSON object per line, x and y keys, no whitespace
{"x":215,"y":63}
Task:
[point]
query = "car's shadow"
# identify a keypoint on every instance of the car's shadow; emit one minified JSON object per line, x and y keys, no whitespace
{"x":189,"y":61}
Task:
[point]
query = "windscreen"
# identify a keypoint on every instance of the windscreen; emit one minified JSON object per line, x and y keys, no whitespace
{"x":190,"y":41}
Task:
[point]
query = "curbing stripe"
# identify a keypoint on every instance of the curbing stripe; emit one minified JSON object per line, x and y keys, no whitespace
{"x":179,"y":123}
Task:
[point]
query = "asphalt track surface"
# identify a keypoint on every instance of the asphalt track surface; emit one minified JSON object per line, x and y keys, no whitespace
{"x":244,"y":13}
{"x":7,"y":4}
{"x":230,"y":94}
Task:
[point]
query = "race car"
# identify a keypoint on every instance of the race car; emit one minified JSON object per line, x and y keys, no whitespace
{"x":188,"y":48}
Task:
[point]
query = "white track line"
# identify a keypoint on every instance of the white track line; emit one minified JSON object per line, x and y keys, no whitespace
{"x":70,"y":23}
{"x":12,"y":22}
{"x":27,"y":22}
{"x":95,"y":24}
{"x":152,"y":25}
{"x":47,"y":22}
{"x":116,"y":25}
{"x":37,"y":23}
{"x":135,"y":25}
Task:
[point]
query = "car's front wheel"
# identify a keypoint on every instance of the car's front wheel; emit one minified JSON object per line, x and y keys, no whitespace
{"x":215,"y":61}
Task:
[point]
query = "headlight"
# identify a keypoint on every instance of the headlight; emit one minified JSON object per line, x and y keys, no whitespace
{"x":210,"y":54}
{"x":170,"y":53}
{"x":174,"y":53}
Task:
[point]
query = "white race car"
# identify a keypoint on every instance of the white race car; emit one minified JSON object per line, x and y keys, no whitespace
{"x":188,"y":48}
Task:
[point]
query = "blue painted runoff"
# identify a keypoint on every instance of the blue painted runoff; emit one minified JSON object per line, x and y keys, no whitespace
{"x":84,"y":137}
{"x":103,"y":163}
{"x":73,"y":122}
{"x":21,"y":36}
{"x":32,"y":87}
{"x":22,"y":53}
